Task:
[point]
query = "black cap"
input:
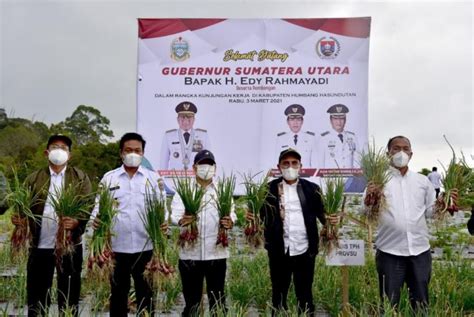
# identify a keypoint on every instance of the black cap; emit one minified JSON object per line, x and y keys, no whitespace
{"x":338,"y":110}
{"x":287,"y":152}
{"x":59,"y":137}
{"x":204,"y":155}
{"x":186,"y":107}
{"x":295,"y":110}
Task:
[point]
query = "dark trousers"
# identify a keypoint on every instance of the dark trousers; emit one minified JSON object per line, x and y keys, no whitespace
{"x":193,"y":274}
{"x":282,"y":267}
{"x":133,"y":264}
{"x":395,"y":270}
{"x":39,"y":278}
{"x":437,"y":192}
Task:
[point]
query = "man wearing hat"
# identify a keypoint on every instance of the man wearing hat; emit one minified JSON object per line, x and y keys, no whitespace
{"x":337,"y":148}
{"x":44,"y":184}
{"x":204,"y":259}
{"x":296,"y":138}
{"x":290,"y":213}
{"x":180,"y":145}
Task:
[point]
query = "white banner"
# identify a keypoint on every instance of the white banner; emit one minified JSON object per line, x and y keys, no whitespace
{"x":248,"y":89}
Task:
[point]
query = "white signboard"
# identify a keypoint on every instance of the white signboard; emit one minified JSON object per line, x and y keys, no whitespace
{"x":350,"y":253}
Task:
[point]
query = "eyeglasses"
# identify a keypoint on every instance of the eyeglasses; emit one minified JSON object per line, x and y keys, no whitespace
{"x":58,"y":147}
{"x":294,"y":164}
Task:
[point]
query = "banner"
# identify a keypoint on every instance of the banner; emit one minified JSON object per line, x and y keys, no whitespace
{"x":246,"y":89}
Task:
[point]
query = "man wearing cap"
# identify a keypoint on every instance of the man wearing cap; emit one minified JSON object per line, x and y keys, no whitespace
{"x":290,"y":213}
{"x":204,"y":259}
{"x":179,"y":146}
{"x":337,"y":148}
{"x":45,"y":183}
{"x":302,"y":141}
{"x":131,"y":244}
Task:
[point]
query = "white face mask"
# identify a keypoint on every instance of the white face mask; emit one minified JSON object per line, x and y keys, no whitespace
{"x":400,"y":159}
{"x":132,"y":160}
{"x":205,"y":171}
{"x":290,"y":173}
{"x":58,"y":157}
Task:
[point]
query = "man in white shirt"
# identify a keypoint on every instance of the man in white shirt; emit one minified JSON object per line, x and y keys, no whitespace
{"x":130,"y":242}
{"x":435,"y":179}
{"x":42,"y":259}
{"x":403,"y":249}
{"x":204,"y":259}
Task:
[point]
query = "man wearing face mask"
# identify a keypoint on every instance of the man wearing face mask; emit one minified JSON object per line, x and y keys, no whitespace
{"x":291,"y":234}
{"x":403,"y":249}
{"x":42,"y":261}
{"x":130,"y":243}
{"x":205,"y":259}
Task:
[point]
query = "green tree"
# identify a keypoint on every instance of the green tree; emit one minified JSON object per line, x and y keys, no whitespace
{"x":85,"y":125}
{"x":425,"y":171}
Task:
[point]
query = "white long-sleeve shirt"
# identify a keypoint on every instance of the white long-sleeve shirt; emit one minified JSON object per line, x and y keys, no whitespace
{"x":129,"y":234}
{"x":402,"y":228}
{"x":205,"y":247}
{"x":295,"y":236}
{"x":49,"y":222}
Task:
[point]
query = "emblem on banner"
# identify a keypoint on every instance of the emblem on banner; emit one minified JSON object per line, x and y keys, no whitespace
{"x":179,"y":49}
{"x":328,"y":48}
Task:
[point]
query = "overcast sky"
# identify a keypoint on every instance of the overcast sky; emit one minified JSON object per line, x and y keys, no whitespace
{"x":56,"y":55}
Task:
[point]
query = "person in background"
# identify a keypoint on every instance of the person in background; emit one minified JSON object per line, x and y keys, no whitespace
{"x":435,"y":179}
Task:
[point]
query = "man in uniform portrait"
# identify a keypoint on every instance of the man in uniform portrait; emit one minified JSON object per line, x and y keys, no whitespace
{"x":297,"y":139}
{"x":179,"y":146}
{"x":337,"y":148}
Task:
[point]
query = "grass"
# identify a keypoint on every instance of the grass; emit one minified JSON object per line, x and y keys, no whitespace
{"x":249,"y":290}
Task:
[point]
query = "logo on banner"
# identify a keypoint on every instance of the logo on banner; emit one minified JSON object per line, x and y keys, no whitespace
{"x":179,"y":49}
{"x":328,"y":48}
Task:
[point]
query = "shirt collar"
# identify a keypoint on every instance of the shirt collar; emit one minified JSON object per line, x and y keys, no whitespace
{"x":53,"y":173}
{"x":123,"y":171}
{"x":396,"y":172}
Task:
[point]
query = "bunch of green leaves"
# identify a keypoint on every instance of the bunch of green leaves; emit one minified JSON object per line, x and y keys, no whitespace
{"x":375,"y":165}
{"x":68,"y":202}
{"x":458,"y":176}
{"x":224,"y":195}
{"x":100,"y":262}
{"x":333,"y":200}
{"x":20,"y":198}
{"x":333,"y":195}
{"x":255,"y":192}
{"x":154,"y":217}
{"x":191,"y":194}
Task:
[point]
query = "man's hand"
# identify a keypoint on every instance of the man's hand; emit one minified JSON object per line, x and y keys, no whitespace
{"x":369,"y":197}
{"x":164,"y":228}
{"x":334,"y":219}
{"x":226,"y":222}
{"x":18,"y":220}
{"x":96,"y":223}
{"x":70,"y":223}
{"x":186,"y":220}
{"x":249,"y":216}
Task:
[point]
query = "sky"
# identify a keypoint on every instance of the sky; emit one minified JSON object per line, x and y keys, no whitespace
{"x":56,"y":55}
